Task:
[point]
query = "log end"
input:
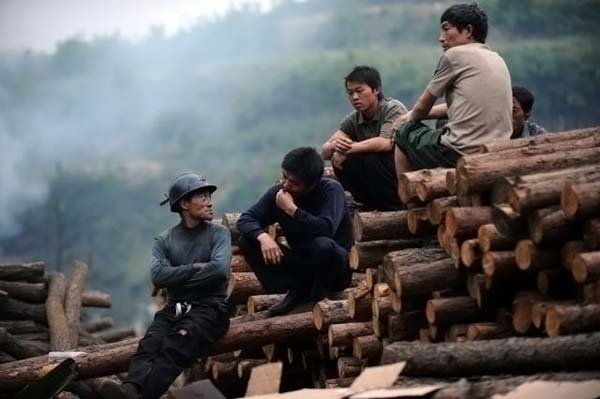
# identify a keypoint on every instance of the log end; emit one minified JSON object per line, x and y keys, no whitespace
{"x":569,"y":202}
{"x":430,"y":312}
{"x":523,"y":254}
{"x":579,"y":269}
{"x":552,"y":322}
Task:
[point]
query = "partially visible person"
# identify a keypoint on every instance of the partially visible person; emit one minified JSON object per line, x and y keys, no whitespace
{"x":191,"y":261}
{"x":522,"y":105}
{"x":361,"y":150}
{"x":476,"y":85}
{"x":315,"y":221}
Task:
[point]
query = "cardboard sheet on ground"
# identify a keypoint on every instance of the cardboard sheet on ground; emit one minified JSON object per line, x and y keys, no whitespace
{"x":203,"y":389}
{"x":264,"y":379}
{"x":554,"y":390}
{"x":392,"y":393}
{"x":378,"y":377}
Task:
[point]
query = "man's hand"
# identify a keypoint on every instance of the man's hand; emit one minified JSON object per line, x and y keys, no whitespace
{"x":271,"y":252}
{"x":338,"y":160}
{"x":342,"y":144}
{"x":285,"y":202}
{"x":401,"y":119}
{"x":199,"y":266}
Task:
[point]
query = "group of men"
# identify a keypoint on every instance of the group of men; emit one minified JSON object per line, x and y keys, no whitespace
{"x":374,"y":144}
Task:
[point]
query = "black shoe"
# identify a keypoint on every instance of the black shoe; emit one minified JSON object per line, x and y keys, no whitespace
{"x":109,"y":389}
{"x":291,"y":300}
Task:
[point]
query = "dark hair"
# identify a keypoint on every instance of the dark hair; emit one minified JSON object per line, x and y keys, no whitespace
{"x":461,"y":15}
{"x":305,"y":163}
{"x":367,"y":75}
{"x":524,"y":97}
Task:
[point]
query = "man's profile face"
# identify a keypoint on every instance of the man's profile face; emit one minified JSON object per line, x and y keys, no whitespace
{"x":291,"y":184}
{"x":450,"y":36}
{"x":199,"y":206}
{"x":361,"y":96}
{"x":519,"y":116}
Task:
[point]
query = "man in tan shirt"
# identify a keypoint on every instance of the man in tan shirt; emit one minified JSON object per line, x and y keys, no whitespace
{"x":361,"y":150}
{"x":477,"y":88}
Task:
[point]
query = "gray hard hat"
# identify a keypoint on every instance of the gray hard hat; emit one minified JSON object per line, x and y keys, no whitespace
{"x":184,"y":184}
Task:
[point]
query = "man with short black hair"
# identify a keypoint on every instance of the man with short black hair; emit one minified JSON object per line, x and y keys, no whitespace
{"x":191,"y":261}
{"x":522,"y":105}
{"x":312,"y":213}
{"x":361,"y":150}
{"x":476,"y":84}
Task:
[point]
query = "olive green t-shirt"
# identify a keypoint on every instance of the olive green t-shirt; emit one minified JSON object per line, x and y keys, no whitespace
{"x":477,"y":87}
{"x":359,"y":129}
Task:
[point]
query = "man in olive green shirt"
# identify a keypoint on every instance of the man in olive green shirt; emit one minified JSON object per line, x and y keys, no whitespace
{"x":361,"y":151}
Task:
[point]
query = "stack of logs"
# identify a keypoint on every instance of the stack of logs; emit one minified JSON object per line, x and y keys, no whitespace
{"x":493,"y":269}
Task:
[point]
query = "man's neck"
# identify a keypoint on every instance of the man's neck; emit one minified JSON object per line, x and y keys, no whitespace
{"x":190,"y":223}
{"x":369,"y":113}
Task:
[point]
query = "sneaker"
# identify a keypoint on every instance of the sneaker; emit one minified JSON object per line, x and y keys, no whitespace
{"x":289,"y":302}
{"x":109,"y":389}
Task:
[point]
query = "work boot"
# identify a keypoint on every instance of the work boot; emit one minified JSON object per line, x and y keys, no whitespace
{"x":289,"y":302}
{"x":109,"y":389}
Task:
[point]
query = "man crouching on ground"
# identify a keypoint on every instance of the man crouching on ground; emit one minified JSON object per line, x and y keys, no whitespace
{"x":314,"y":219}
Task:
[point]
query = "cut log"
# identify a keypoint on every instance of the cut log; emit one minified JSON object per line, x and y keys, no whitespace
{"x":585,"y":267}
{"x":406,"y":257}
{"x":374,"y":226}
{"x":343,"y":334}
{"x":239,"y":265}
{"x":274,"y":351}
{"x":565,"y":319}
{"x":380,"y":290}
{"x":554,"y":283}
{"x":27,"y":292}
{"x":508,"y":222}
{"x":327,"y":312}
{"x":258,"y":303}
{"x":550,"y":225}
{"x":544,"y":189}
{"x":349,"y":366}
{"x":229,"y":220}
{"x":368,"y":254}
{"x":407,"y":182}
{"x":509,"y":355}
{"x":418,"y":222}
{"x":405,"y":326}
{"x":470,"y":253}
{"x":540,"y":309}
{"x":434,"y":186}
{"x":22,"y":326}
{"x":483,"y":331}
{"x":504,"y":145}
{"x":367,"y":347}
{"x":581,"y":200}
{"x":14,"y":309}
{"x":225,"y":371}
{"x":437,"y":208}
{"x":531,"y":258}
{"x":242,"y":286}
{"x":73,"y":301}
{"x":32,"y":272}
{"x":591,"y":234}
{"x":245,"y":366}
{"x":421,"y":279}
{"x":19,"y":348}
{"x":96,"y":299}
{"x":479,"y":175}
{"x":521,"y":310}
{"x":359,"y":306}
{"x":451,"y":181}
{"x":569,"y":250}
{"x":463,"y":223}
{"x":98,"y":324}
{"x":499,"y":264}
{"x":57,"y":320}
{"x":116,"y":334}
{"x":372,"y":276}
{"x":456,"y":333}
{"x":452,"y":310}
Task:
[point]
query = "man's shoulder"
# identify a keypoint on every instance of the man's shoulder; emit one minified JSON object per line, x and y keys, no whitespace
{"x":390,"y":103}
{"x":463,"y":51}
{"x":164,"y":235}
{"x":217,"y":227}
{"x":330,"y":184}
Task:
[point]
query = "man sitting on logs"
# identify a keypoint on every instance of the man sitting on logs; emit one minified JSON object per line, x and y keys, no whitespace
{"x":522,"y":105}
{"x":477,"y":88}
{"x":191,"y":261}
{"x":361,"y":151}
{"x":315,"y":222}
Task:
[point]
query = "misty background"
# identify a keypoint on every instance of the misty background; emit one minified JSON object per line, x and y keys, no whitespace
{"x":93,"y":129}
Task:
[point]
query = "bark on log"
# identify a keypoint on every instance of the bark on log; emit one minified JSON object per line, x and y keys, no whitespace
{"x":591,"y":234}
{"x":359,"y":306}
{"x":239,"y":264}
{"x":569,"y":250}
{"x":434,"y":186}
{"x":437,"y":208}
{"x":258,"y":303}
{"x":490,"y":239}
{"x":241,"y":286}
{"x":418,"y":222}
{"x":98,"y":324}
{"x":407,"y":183}
{"x":19,"y":348}
{"x":33,"y":271}
{"x":381,"y":308}
{"x":550,"y":225}
{"x":540,"y":190}
{"x":421,"y":279}
{"x":456,"y":333}
{"x":27,"y":292}
{"x":500,"y":264}
{"x":225,"y":371}
{"x":463,"y":223}
{"x":339,"y":382}
{"x":479,"y":175}
{"x":73,"y":301}
{"x":116,"y":334}
{"x":565,"y":319}
{"x":404,"y":258}
{"x":373,"y":226}
{"x":22,"y":326}
{"x":14,"y":309}
{"x":585,"y":267}
{"x":368,"y":254}
{"x":229,"y":220}
{"x":349,"y":366}
{"x":540,"y":309}
{"x":95,"y":298}
{"x":470,"y":253}
{"x":531,"y":258}
{"x":343,"y":334}
{"x":555,"y":283}
{"x":452,"y":310}
{"x":405,"y":326}
{"x":57,"y":320}
{"x":327,"y":312}
{"x":508,"y":222}
{"x":510,"y":355}
{"x":483,"y":331}
{"x":504,"y":145}
{"x":367,"y":347}
{"x":521,"y":310}
{"x":581,"y":200}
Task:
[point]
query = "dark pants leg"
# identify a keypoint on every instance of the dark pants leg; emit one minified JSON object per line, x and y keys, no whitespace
{"x":371,"y":179}
{"x":171,"y":344}
{"x":314,"y":269}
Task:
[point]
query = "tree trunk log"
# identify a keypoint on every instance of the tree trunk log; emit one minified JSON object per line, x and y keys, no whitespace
{"x":483,"y":331}
{"x":555,"y":283}
{"x":500,"y":264}
{"x":470,"y":253}
{"x":245,"y":366}
{"x":327,"y":312}
{"x":372,"y":276}
{"x":463,"y":223}
{"x":565,"y":319}
{"x":343,"y":334}
{"x":367,"y":347}
{"x":405,"y":326}
{"x":12,"y":308}
{"x":225,"y":371}
{"x":349,"y":366}
{"x":57,"y":320}
{"x":229,"y":220}
{"x":585,"y":267}
{"x":404,"y":258}
{"x":434,"y":186}
{"x":73,"y":301}
{"x":359,"y":307}
{"x":33,"y":271}
{"x":559,"y":137}
{"x":540,"y":309}
{"x":258,"y":303}
{"x":242,"y":286}
{"x":239,"y":265}
{"x":531,"y":258}
{"x":508,"y":222}
{"x":116,"y":334}
{"x":19,"y":348}
{"x":452,"y":310}
{"x":510,"y":355}
{"x":407,"y":184}
{"x":373,"y":226}
{"x":490,"y":239}
{"x":95,"y":299}
{"x":521,"y":310}
{"x":98,"y":324}
{"x":368,"y":254}
{"x":418,"y":222}
{"x":581,"y":200}
{"x":27,"y":292}
{"x":421,"y":279}
{"x":22,"y":326}
{"x":437,"y":208}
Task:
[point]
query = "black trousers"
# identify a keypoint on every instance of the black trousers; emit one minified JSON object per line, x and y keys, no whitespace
{"x":314,"y":270}
{"x":172,"y":344}
{"x":371,"y":179}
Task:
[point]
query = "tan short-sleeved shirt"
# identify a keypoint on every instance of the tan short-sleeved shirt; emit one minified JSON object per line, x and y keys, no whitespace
{"x":359,"y":129}
{"x":477,"y":87}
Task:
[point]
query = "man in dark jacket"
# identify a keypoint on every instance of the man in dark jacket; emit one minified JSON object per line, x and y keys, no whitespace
{"x":315,"y":222}
{"x":191,"y":261}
